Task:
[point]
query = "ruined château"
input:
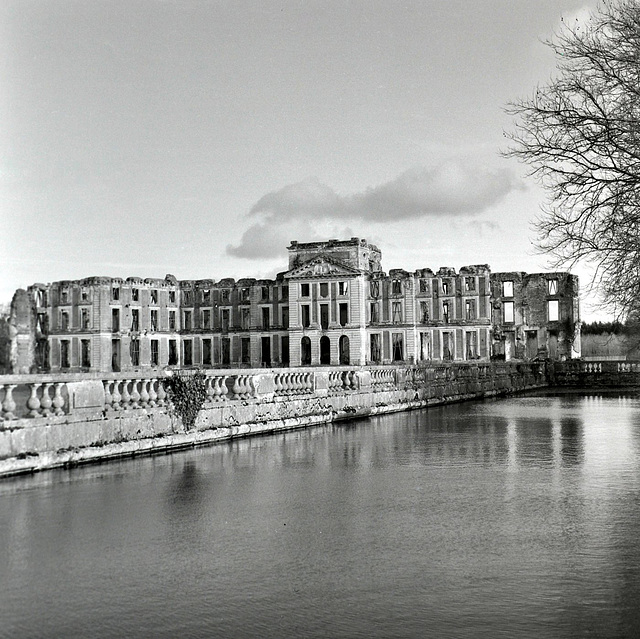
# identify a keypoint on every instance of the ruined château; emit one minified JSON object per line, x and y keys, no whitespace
{"x":334,"y":305}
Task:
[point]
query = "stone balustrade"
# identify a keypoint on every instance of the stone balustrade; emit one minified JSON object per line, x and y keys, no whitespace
{"x":45,"y":396}
{"x":602,"y":374}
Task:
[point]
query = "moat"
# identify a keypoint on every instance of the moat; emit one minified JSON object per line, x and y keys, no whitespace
{"x":509,"y":517}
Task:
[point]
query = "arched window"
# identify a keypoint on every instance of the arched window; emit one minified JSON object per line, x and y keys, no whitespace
{"x":305,"y":351}
{"x":343,"y":346}
{"x":325,"y":350}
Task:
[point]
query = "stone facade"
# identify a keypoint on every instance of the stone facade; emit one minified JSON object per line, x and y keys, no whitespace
{"x":334,"y":306}
{"x":535,"y":315}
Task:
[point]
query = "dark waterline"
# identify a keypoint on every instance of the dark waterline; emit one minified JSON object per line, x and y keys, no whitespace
{"x":510,"y":518}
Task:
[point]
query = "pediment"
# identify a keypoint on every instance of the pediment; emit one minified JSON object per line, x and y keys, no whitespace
{"x":322,"y":266}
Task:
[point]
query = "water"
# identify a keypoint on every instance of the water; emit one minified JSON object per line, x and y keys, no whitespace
{"x":510,"y":518}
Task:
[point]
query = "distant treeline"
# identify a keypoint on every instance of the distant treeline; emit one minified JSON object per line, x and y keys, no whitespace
{"x":602,"y":328}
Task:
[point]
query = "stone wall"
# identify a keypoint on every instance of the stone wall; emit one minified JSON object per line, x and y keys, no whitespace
{"x":593,"y":374}
{"x":62,"y":420}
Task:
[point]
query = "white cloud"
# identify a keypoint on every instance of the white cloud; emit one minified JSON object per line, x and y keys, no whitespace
{"x":453,"y":189}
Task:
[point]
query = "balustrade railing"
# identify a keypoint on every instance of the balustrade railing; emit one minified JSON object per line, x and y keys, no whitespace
{"x":44,"y":396}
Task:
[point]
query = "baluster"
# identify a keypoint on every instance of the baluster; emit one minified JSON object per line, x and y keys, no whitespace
{"x":252,"y":386}
{"x":107,"y":393}
{"x":33,"y":403}
{"x":8,"y":405}
{"x":1,"y":410}
{"x":144,"y":393}
{"x":58,"y":399}
{"x":217,"y":389}
{"x":278,"y":384}
{"x":125,"y":397}
{"x":286,"y":383}
{"x":224,"y":388}
{"x":135,"y":395}
{"x":236,"y":388}
{"x":162,"y":394}
{"x":152,"y":392}
{"x":116,"y":401}
{"x":45,"y":402}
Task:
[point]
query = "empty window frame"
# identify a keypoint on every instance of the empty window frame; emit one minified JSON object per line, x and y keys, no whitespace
{"x":115,"y":293}
{"x":324,"y":289}
{"x":224,"y":318}
{"x":135,"y":319}
{"x":154,"y":295}
{"x":445,"y":287}
{"x":472,"y":344}
{"x":135,"y":294}
{"x":172,"y":296}
{"x":155,"y":353}
{"x":265,"y":293}
{"x":206,"y":318}
{"x":470,"y":283}
{"x":553,"y":310}
{"x":134,"y":351}
{"x":187,"y":352}
{"x":374,"y":312}
{"x":306,"y":315}
{"x":343,"y":288}
{"x":225,"y":295}
{"x":245,"y":350}
{"x":424,"y":312}
{"x":206,"y":352}
{"x":173,"y":352}
{"x":304,"y":290}
{"x":284,"y":293}
{"x":85,"y":353}
{"x":397,"y":346}
{"x":64,"y":320}
{"x":245,"y":294}
{"x":245,"y":318}
{"x":206,"y":296}
{"x":508,"y":315}
{"x":84,"y":294}
{"x":285,"y":317}
{"x":423,"y":286}
{"x":376,"y":347}
{"x":154,"y":320}
{"x":552,"y":286}
{"x":507,"y":288}
{"x":265,"y":318}
{"x":396,"y":312}
{"x":344,"y":314}
{"x":65,"y":353}
{"x":374,"y":288}
{"x":115,"y":319}
{"x":324,"y":316}
{"x":470,"y":309}
{"x":172,"y":320}
{"x":445,"y":312}
{"x":396,"y":287}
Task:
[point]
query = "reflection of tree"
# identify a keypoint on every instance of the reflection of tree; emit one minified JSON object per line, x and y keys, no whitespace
{"x":572,"y":445}
{"x":187,"y":491}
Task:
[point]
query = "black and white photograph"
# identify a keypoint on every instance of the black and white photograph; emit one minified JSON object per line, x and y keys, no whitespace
{"x":320,"y":319}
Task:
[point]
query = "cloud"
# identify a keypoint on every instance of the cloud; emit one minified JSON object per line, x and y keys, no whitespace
{"x":453,"y":189}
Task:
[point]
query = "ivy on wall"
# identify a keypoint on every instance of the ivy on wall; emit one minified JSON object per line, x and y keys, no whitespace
{"x":187,"y":393}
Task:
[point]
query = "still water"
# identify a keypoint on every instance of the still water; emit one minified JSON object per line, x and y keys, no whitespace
{"x":506,"y":518}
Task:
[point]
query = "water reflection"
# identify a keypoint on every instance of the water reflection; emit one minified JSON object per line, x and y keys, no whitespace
{"x":517,"y":517}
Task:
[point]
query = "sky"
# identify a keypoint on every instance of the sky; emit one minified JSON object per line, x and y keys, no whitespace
{"x":199,"y":137}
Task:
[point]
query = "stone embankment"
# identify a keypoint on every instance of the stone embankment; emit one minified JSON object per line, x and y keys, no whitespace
{"x":595,"y":375}
{"x":49,"y":421}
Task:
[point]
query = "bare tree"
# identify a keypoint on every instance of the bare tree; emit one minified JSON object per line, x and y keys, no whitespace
{"x":580,"y":134}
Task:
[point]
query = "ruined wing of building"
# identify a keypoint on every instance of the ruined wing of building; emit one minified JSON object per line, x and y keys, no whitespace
{"x":334,"y":305}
